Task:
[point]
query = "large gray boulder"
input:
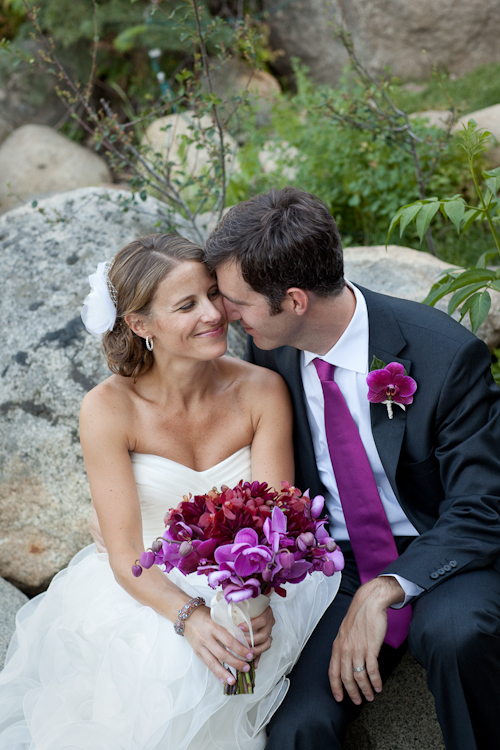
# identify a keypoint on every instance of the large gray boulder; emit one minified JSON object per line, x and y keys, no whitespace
{"x":386,"y":32}
{"x":407,"y":273}
{"x":47,"y":364}
{"x":48,"y":361}
{"x":11,"y":599}
{"x":35,"y":160}
{"x":231,"y":78}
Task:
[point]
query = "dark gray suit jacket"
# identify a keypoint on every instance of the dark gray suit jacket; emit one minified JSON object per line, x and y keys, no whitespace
{"x":441,"y":455}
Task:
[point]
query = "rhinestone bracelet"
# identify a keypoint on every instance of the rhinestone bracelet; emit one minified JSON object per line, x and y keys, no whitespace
{"x":184,"y":613}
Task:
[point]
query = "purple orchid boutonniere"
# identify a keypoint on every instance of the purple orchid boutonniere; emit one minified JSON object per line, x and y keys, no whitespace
{"x":388,"y":384}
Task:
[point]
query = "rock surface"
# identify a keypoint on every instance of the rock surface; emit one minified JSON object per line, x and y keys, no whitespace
{"x":27,"y":92}
{"x":168,"y":137}
{"x":35,"y":160}
{"x":11,"y":599}
{"x":403,"y":717}
{"x":47,"y":363}
{"x":233,"y":77}
{"x":440,"y":118}
{"x":403,"y":272}
{"x":386,"y":32}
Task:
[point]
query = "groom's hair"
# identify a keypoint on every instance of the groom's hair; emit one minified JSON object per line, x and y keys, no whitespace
{"x":281,"y":239}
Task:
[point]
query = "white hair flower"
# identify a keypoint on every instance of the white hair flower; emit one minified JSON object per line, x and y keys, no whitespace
{"x":99,"y":308}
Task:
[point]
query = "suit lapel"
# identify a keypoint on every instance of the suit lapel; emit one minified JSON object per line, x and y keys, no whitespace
{"x":386,"y":342}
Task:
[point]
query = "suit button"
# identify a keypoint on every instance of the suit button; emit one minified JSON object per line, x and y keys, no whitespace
{"x":453,"y":563}
{"x":434,"y":575}
{"x":441,"y":571}
{"x":447,"y":568}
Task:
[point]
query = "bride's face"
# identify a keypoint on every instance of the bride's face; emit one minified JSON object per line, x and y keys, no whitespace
{"x":188,"y":318}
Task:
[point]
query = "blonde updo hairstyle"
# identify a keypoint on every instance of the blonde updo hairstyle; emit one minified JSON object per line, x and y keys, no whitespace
{"x":136,"y":272}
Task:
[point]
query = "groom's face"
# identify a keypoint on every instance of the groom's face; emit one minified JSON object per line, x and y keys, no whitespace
{"x":252,"y":310}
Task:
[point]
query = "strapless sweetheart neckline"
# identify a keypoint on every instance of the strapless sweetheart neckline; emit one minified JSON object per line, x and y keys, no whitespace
{"x":155,"y":456}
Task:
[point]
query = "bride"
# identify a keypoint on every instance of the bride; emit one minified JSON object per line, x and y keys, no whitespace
{"x":95,"y":662}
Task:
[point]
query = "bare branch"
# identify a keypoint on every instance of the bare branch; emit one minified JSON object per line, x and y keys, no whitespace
{"x":204,"y":57}
{"x":90,"y":83}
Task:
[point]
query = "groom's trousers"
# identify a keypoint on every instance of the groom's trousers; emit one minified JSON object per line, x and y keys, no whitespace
{"x":454,"y":634}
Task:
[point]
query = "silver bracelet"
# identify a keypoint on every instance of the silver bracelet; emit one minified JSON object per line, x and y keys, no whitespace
{"x":185,"y":612}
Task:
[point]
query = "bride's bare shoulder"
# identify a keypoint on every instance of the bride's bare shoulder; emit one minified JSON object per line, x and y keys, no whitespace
{"x":254,"y":379}
{"x":112,"y":396}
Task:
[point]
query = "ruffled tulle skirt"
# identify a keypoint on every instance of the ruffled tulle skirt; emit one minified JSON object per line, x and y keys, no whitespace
{"x":91,"y":668}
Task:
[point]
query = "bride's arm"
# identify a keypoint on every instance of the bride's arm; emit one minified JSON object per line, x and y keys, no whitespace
{"x":103,"y":434}
{"x":272,"y":444}
{"x":272,"y":457}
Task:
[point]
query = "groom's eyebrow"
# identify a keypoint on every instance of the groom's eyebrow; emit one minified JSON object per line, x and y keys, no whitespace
{"x":233,"y":301}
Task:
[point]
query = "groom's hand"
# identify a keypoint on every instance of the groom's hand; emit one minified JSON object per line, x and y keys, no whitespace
{"x":360,"y":638}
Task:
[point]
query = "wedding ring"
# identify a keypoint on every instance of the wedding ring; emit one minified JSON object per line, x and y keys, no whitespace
{"x":358,"y":669}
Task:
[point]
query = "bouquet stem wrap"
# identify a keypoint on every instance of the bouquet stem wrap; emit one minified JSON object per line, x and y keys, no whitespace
{"x":230,"y":616}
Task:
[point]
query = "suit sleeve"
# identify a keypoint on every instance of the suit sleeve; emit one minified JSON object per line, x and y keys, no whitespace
{"x":465,"y":464}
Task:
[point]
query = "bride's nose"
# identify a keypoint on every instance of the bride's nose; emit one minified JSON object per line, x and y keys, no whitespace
{"x":212,"y":313}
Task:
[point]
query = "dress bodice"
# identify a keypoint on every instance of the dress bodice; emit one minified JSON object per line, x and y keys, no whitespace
{"x":162,"y":483}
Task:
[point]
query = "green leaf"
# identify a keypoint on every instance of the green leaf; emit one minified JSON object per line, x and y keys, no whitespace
{"x":470,"y":217}
{"x":127,"y":39}
{"x":496,"y":286}
{"x":455,"y":210}
{"x":407,"y":216}
{"x":377,"y":364}
{"x":486,"y":258}
{"x":478,"y":307}
{"x":393,"y":223}
{"x":462,"y":295}
{"x":34,"y":204}
{"x":492,"y":179}
{"x":474,"y":139}
{"x":425,"y":217}
{"x":439,"y":290}
{"x":472,"y":276}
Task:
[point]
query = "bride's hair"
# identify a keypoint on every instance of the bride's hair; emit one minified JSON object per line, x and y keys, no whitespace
{"x":136,"y":272}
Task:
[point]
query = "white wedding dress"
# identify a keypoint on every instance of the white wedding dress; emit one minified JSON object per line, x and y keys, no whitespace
{"x":91,"y":668}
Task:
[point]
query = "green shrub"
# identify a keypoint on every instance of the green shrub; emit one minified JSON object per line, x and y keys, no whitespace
{"x":362,"y":177}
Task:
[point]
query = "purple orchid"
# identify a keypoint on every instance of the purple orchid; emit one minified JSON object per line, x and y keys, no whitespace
{"x":238,"y":592}
{"x":274,"y":527}
{"x":246,"y":556}
{"x":390,"y":384}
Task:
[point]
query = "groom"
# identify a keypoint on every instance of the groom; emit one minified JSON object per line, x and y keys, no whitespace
{"x":413,"y":500}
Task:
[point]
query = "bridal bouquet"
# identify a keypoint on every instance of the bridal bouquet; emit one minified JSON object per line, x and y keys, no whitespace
{"x":247,"y":541}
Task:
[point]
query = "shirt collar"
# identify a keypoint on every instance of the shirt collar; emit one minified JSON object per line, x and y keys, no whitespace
{"x":351,"y":350}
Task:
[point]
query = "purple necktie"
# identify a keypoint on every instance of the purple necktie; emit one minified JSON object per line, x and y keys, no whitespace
{"x":369,"y":530}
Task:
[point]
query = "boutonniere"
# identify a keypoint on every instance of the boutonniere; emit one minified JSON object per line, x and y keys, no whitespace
{"x":388,"y":384}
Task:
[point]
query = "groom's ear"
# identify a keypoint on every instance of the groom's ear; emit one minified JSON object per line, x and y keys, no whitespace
{"x":297,"y":300}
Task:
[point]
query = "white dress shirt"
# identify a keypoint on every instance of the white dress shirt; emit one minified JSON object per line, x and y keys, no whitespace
{"x":350,"y":357}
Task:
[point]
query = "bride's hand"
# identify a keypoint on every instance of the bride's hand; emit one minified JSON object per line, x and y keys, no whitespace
{"x":209,"y":642}
{"x":262,"y":627}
